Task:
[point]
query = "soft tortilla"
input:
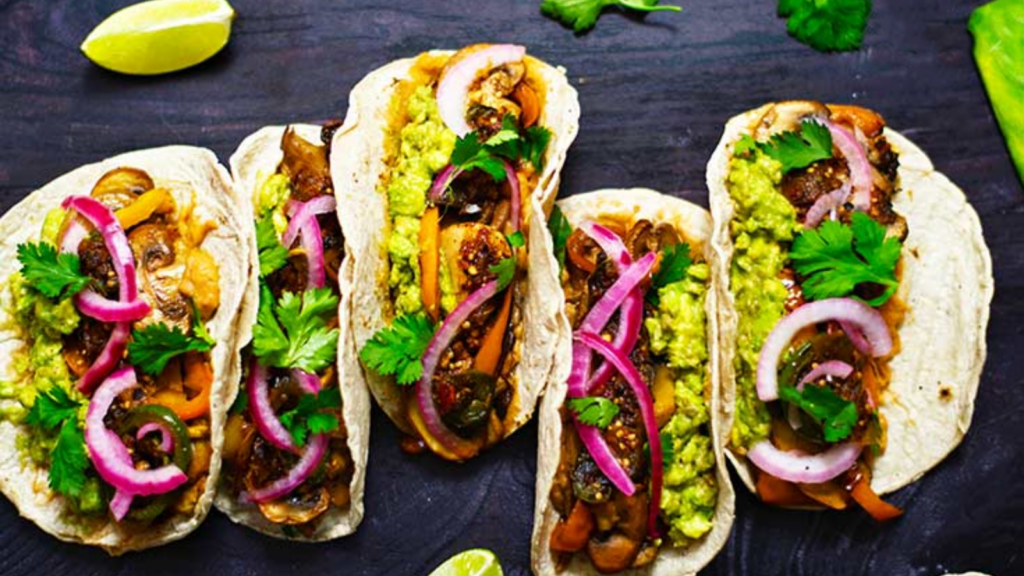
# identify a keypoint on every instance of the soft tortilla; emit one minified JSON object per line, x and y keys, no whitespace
{"x":180,"y":169}
{"x":694,"y":223}
{"x":257,"y":158}
{"x":357,"y":162}
{"x":930,"y":400}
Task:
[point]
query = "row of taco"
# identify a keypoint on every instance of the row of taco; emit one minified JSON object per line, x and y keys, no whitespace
{"x":179,"y":337}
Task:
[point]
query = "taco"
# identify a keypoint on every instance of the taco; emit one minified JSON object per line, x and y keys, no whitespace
{"x":630,"y":471}
{"x":296,"y":439}
{"x":443,"y":165}
{"x":123,"y":282}
{"x":852,"y":337}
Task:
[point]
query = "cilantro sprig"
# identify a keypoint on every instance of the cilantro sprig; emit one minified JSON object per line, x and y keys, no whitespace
{"x":827,"y":25}
{"x":505,"y":270}
{"x":835,"y":258}
{"x":583,"y":14}
{"x":560,"y":231}
{"x":594,"y":410}
{"x":53,"y":274}
{"x":509,"y":143}
{"x":836,"y":416}
{"x":793,"y":149}
{"x":54,"y":409}
{"x":312,"y":415}
{"x":675,"y":261}
{"x":292,"y":331}
{"x":273,"y":256}
{"x":398,"y":349}
{"x":155,"y":345}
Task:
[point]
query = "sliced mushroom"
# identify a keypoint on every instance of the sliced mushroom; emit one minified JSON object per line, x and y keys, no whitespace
{"x":300,"y":507}
{"x":612,"y":554}
{"x":787,"y":116}
{"x":160,"y":272}
{"x":120,"y":187}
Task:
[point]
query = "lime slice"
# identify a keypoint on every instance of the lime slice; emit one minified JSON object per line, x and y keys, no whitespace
{"x":476,"y":562}
{"x":160,"y":36}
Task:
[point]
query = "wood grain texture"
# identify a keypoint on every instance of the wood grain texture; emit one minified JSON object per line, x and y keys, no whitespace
{"x":655,"y":93}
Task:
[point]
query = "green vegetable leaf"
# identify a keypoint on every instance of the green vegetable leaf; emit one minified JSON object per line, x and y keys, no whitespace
{"x":505,"y":269}
{"x":799,"y":149}
{"x":273,"y":256}
{"x":310,"y":416}
{"x":827,"y":25}
{"x":398,"y":349}
{"x":560,"y":230}
{"x":155,"y":345}
{"x":53,"y":275}
{"x":668,"y":451}
{"x":52,"y":408}
{"x":675,"y":261}
{"x":68,"y":460}
{"x":836,"y":258}
{"x":293,"y":333}
{"x":744,"y":146}
{"x":509,"y":144}
{"x":594,"y":410}
{"x":470,"y":154}
{"x":836,"y":416}
{"x":583,"y":14}
{"x":516,"y":239}
{"x":199,"y":327}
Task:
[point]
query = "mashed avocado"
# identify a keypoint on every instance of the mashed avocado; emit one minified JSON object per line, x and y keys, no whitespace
{"x":762,"y":227}
{"x":271,"y":198}
{"x":425,"y":148}
{"x":678,"y":331}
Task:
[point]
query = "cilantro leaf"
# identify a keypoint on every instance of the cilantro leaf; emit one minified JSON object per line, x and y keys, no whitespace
{"x":744,"y":146}
{"x":507,"y":144}
{"x":470,"y":154}
{"x":51,"y":274}
{"x":836,"y":416}
{"x":516,"y":239}
{"x":594,"y":410}
{"x":398,"y":349}
{"x":273,"y":256}
{"x":155,"y":345}
{"x":827,"y":25}
{"x":68,"y":460}
{"x":668,"y":451}
{"x":309,"y":415}
{"x":505,"y":269}
{"x":836,"y":258}
{"x":199,"y":327}
{"x":51,"y":408}
{"x":560,"y":231}
{"x":799,"y":149}
{"x":293,"y":333}
{"x":583,"y":14}
{"x":675,"y":260}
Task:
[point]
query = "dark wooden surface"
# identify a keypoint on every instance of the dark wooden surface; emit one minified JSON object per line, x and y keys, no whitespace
{"x":655,"y":93}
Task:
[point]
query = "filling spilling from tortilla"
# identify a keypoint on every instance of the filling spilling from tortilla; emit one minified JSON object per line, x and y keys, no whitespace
{"x":114,"y":382}
{"x":285,"y":444}
{"x":815,"y":275}
{"x":637,"y":463}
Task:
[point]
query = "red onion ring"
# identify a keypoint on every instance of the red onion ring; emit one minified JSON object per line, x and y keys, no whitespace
{"x":112,"y":353}
{"x":515,"y":196}
{"x":643,"y":395}
{"x":103,"y":219}
{"x":836,"y":368}
{"x":166,"y":439}
{"x":302,"y":470}
{"x":442,"y":338}
{"x":442,"y":181}
{"x":458,"y":76}
{"x":122,"y":501}
{"x":267,"y":422}
{"x":798,"y":466}
{"x":875,"y":340}
{"x":108,"y":458}
{"x":303,"y":224}
{"x":308,"y":382}
{"x":826,"y":203}
{"x":93,"y":305}
{"x":857,"y":160}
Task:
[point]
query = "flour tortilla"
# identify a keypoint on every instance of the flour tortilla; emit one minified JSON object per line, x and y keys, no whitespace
{"x":256,"y":159}
{"x":180,"y":169}
{"x":694,"y":224}
{"x":357,"y":163}
{"x":947,"y":285}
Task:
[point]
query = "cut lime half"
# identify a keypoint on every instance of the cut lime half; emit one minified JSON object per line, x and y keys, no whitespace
{"x":160,"y":36}
{"x":476,"y":562}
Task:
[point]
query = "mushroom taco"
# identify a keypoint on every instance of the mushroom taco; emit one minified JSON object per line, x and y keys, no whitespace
{"x":296,"y":439}
{"x":852,"y":339}
{"x":118,"y":304}
{"x":444,"y":164}
{"x":631,"y":476}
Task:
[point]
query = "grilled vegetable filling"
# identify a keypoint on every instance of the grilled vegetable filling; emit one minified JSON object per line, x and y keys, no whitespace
{"x":459,"y":219}
{"x":670,"y":355}
{"x":815,"y":235}
{"x":285,"y":443}
{"x":113,"y":388}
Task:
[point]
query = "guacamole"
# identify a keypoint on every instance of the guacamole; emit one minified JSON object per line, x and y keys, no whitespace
{"x":678,"y":332}
{"x":762,"y":228}
{"x":425,"y":147}
{"x":271,"y":198}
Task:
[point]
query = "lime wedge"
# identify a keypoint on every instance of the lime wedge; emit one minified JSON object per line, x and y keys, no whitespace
{"x":476,"y":562}
{"x":160,"y":36}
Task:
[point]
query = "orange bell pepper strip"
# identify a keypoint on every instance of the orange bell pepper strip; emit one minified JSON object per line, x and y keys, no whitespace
{"x":198,"y":378}
{"x":156,"y":200}
{"x":778,"y":492}
{"x":878,"y":509}
{"x":529,"y":103}
{"x":430,"y":232}
{"x":489,"y":355}
{"x":572,"y":533}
